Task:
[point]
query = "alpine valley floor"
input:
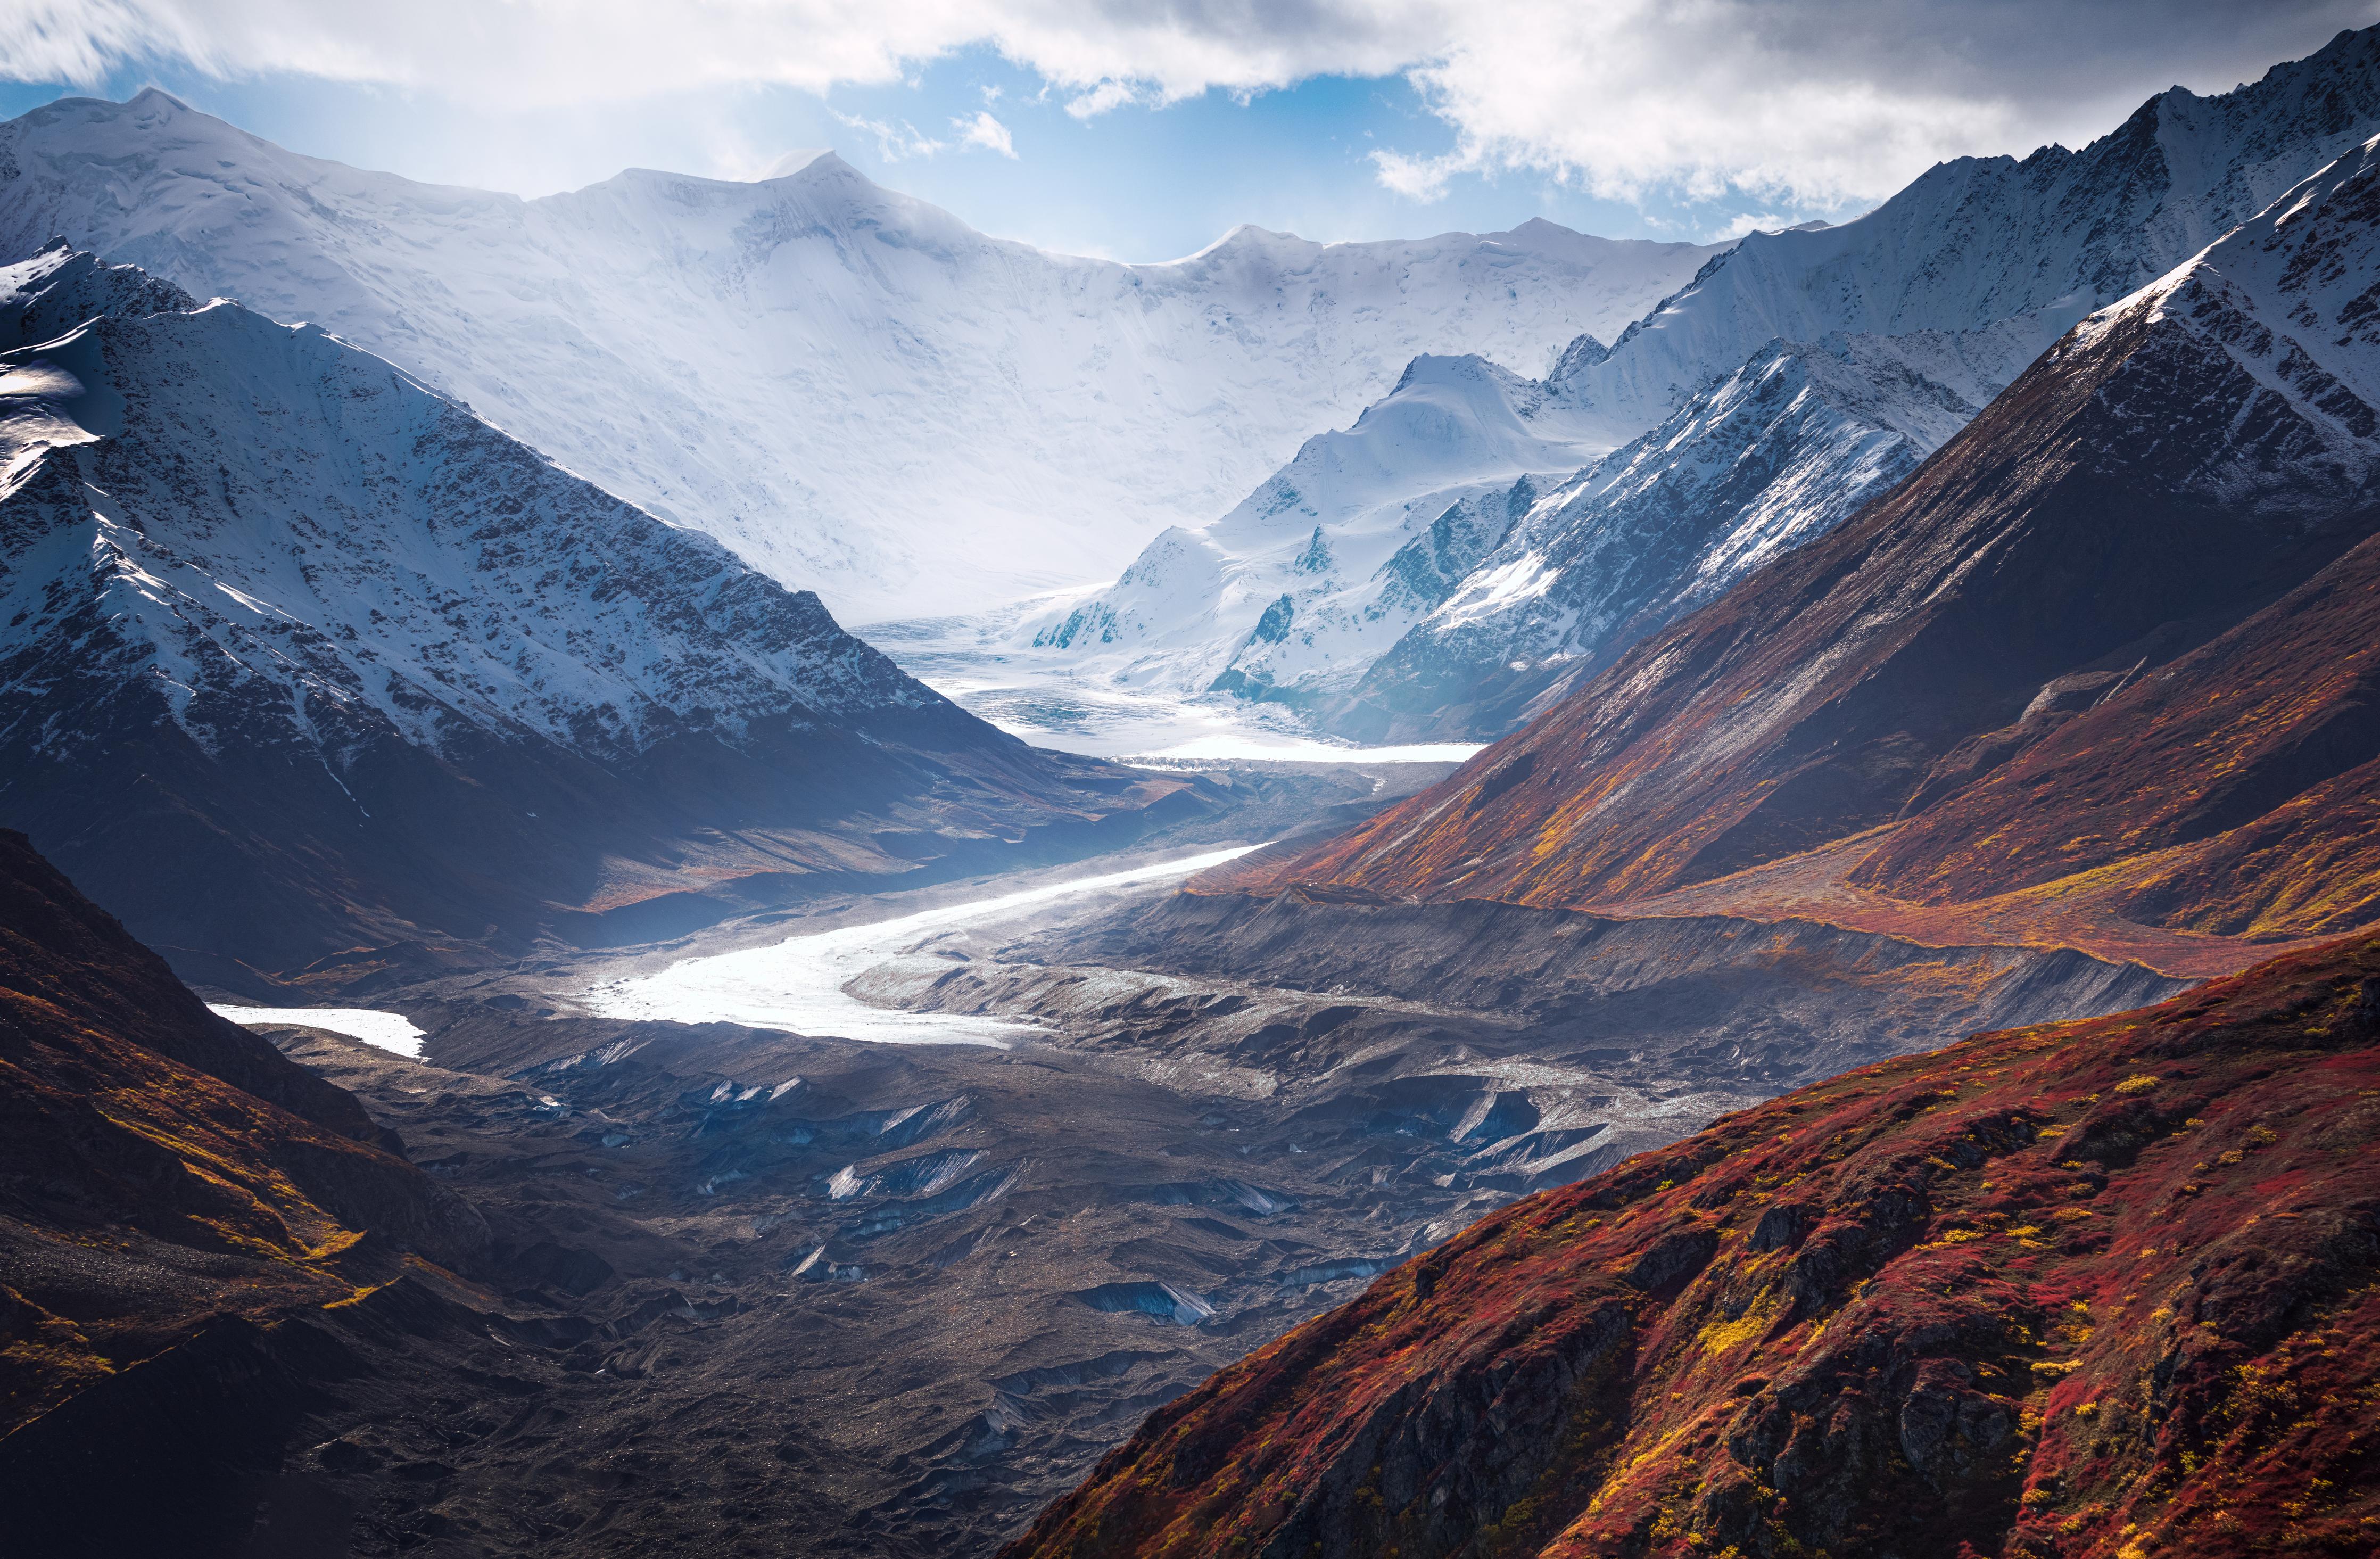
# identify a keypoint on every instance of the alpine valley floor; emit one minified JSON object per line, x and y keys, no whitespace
{"x":746,"y":1291}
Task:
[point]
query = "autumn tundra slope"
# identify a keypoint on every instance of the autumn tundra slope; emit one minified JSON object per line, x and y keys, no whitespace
{"x":172,"y":1190}
{"x":2099,"y":673}
{"x":2099,"y":1290}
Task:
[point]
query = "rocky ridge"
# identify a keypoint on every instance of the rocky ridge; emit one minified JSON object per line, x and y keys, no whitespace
{"x":2170,"y":513}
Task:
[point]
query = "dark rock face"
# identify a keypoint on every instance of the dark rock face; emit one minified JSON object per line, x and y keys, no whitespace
{"x":1904,"y":1311}
{"x":160,"y":1166}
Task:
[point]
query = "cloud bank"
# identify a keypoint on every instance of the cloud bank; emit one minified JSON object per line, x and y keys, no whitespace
{"x":1803,"y":103}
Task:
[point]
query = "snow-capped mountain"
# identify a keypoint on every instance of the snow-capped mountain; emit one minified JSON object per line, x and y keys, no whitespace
{"x":2019,"y":250}
{"x":1778,"y":452}
{"x":2099,"y":669}
{"x":1799,"y":375}
{"x":850,"y":387}
{"x":1329,"y":562}
{"x":298,"y":651}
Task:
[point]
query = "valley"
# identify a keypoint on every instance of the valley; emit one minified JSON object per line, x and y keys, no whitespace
{"x":1061,"y":1143}
{"x":1689,"y":901}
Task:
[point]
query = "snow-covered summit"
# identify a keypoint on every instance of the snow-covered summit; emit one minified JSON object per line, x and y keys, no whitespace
{"x":2290,"y":302}
{"x":1316,"y":569}
{"x":1776,"y":454}
{"x":1979,"y":241}
{"x":852,"y":388}
{"x":268,"y":529}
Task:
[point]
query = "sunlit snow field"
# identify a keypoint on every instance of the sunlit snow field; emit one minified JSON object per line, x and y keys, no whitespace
{"x":796,"y":985}
{"x":1052,"y":703}
{"x":388,"y":1031}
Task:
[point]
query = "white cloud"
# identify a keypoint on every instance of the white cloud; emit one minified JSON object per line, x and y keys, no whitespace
{"x":1106,"y":96}
{"x":895,"y":142}
{"x":987,"y":132}
{"x":1418,"y":179}
{"x":1787,"y":103}
{"x":1746,"y":222}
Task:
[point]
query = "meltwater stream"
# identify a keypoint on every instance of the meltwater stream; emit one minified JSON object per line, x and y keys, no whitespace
{"x":797,"y":985}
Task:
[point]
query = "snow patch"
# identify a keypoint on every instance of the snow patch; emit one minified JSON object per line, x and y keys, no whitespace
{"x":385,"y":1030}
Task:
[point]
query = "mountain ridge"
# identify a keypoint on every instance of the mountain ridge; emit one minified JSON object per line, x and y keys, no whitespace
{"x":2181,"y":491}
{"x":164,"y":1170}
{"x":1905,"y":322}
{"x":302,"y":656}
{"x":849,"y":386}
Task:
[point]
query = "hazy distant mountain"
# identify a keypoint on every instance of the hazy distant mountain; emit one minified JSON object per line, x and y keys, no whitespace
{"x":1344,"y":549}
{"x":852,"y":388}
{"x":299,"y":654}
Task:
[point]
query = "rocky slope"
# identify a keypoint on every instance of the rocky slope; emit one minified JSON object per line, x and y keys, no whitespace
{"x":853,"y":389}
{"x":1799,"y":375}
{"x":2088,"y":1289}
{"x":163,"y":1174}
{"x":2169,"y":514}
{"x":300,"y":654}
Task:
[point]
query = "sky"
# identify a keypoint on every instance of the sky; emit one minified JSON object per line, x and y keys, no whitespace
{"x":1144,"y":129}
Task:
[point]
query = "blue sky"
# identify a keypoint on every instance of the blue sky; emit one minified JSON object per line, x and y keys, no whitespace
{"x":1133,"y":183}
{"x":1146,"y":132}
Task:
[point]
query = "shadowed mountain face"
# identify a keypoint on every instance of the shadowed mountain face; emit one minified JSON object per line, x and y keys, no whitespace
{"x":299,"y":655}
{"x":163,"y":1172}
{"x":2105,"y":650}
{"x":2091,"y":1289}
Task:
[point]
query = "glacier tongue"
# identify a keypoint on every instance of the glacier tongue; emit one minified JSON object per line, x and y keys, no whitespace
{"x":853,"y":389}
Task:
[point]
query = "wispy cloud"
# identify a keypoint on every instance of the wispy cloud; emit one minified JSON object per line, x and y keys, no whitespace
{"x":987,"y":132}
{"x":1107,"y":95}
{"x":1748,"y":223}
{"x":895,"y":140}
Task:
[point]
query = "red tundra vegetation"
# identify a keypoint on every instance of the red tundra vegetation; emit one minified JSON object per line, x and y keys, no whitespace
{"x":2095,"y":1290}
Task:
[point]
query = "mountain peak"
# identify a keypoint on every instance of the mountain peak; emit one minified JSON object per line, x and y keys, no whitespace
{"x":1577,"y":358}
{"x":798,"y":161}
